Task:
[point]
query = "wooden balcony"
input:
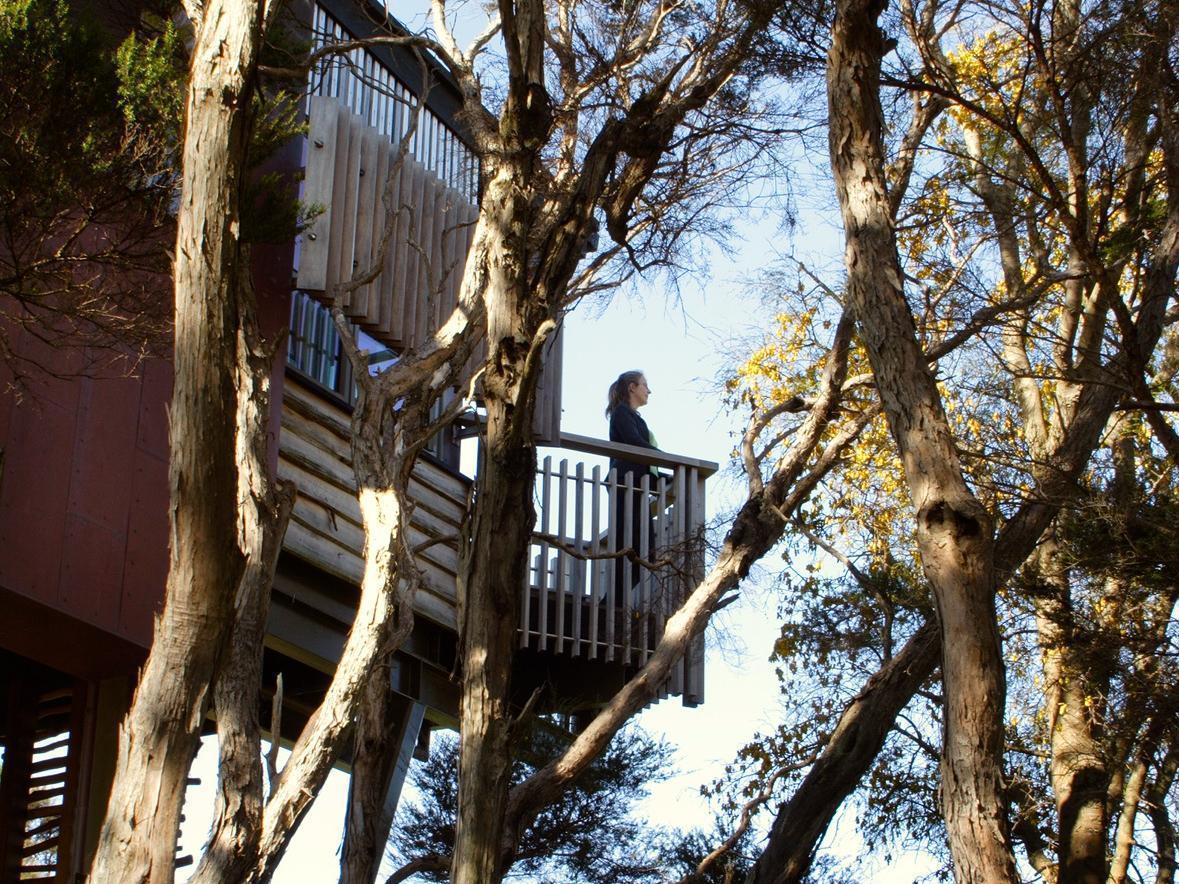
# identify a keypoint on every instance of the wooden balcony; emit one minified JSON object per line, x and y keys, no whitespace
{"x":586,"y":598}
{"x":584,"y":603}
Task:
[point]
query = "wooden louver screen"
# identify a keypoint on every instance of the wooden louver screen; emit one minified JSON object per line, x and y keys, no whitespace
{"x":348,"y":165}
{"x":40,"y":782}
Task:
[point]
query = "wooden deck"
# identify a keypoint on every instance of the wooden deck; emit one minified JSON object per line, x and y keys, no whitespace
{"x":584,"y":600}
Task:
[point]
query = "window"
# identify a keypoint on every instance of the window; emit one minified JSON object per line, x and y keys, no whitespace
{"x":371,"y":91}
{"x":313,"y":348}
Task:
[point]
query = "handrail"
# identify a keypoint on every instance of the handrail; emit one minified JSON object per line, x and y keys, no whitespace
{"x":648,"y":456}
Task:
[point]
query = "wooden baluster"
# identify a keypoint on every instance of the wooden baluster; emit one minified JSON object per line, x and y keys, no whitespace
{"x":526,"y":597}
{"x":680,"y":534}
{"x":542,"y":607}
{"x":562,"y":558}
{"x":665,"y":580}
{"x":625,"y":541}
{"x":612,"y":565}
{"x":597,"y":568}
{"x":646,"y":577}
{"x":579,"y":566}
{"x":694,"y":693}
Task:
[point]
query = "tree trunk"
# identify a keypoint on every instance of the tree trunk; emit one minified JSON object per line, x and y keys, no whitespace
{"x":849,"y":753}
{"x":1077,"y":769}
{"x":159,"y":736}
{"x":384,"y":617}
{"x":264,"y":507}
{"x":493,"y":574}
{"x":367,"y":823}
{"x":954,"y":531}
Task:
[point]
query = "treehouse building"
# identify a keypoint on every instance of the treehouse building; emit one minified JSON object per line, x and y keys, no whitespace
{"x":84,"y":489}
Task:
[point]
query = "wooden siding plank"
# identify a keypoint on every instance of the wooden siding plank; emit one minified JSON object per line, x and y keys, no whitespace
{"x":314,"y":483}
{"x":436,"y":602}
{"x":327,"y":424}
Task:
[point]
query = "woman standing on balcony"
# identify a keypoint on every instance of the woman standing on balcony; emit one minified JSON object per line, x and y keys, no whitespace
{"x":627,"y":395}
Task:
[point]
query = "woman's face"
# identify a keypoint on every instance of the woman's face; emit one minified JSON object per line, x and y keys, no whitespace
{"x":640,"y":392}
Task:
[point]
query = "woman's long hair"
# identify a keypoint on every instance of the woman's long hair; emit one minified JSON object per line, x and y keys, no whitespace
{"x":620,"y":390}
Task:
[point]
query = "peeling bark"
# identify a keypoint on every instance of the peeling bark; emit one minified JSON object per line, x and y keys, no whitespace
{"x":159,"y":736}
{"x":264,"y":508}
{"x":954,"y":531}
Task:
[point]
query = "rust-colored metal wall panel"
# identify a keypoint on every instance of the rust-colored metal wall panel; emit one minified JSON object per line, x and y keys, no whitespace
{"x":100,"y":481}
{"x":92,"y":571}
{"x":146,"y":565}
{"x":33,"y":498}
{"x":154,"y":395}
{"x":83,"y":503}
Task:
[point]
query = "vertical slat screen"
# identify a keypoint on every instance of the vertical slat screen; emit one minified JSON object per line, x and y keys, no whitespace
{"x":546,"y":419}
{"x":348,"y":167}
{"x":367,"y":201}
{"x":317,"y":191}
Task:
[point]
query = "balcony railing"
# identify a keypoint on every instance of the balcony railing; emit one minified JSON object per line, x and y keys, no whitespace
{"x":587,"y":596}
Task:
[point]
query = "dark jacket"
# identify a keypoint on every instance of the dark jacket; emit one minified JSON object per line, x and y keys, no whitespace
{"x":628,"y":428}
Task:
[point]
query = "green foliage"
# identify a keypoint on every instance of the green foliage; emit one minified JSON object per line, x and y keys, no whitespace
{"x":69,"y":167}
{"x":152,"y":73}
{"x":589,"y":836}
{"x":51,"y":67}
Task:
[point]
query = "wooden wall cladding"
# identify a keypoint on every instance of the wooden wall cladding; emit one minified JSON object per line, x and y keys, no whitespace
{"x":325,"y":527}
